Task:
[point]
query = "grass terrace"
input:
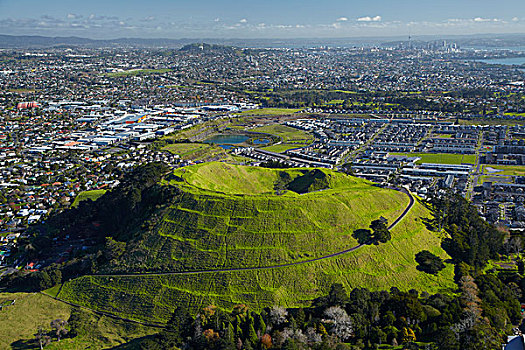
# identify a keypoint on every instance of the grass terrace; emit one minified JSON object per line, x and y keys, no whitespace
{"x":231,"y":217}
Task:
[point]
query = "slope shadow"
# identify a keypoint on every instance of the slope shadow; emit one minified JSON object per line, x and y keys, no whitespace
{"x":23,"y":344}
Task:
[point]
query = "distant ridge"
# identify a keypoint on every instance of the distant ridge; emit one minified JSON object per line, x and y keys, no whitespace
{"x":36,"y":41}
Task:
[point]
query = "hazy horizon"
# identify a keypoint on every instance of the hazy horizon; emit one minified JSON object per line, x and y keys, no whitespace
{"x":271,"y":19}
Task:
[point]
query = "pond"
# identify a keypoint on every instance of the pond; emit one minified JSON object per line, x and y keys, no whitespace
{"x":227,"y":139}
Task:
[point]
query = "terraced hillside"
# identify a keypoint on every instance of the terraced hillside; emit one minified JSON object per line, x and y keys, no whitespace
{"x":231,"y":217}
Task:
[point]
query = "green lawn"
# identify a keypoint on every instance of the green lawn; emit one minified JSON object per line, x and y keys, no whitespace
{"x":230,"y":217}
{"x":21,"y":320}
{"x":489,"y":121}
{"x":102,"y":332}
{"x":286,"y":133}
{"x":22,"y":90}
{"x":135,"y":72}
{"x":335,"y":102}
{"x":279,"y":148}
{"x":197,"y":151}
{"x":83,"y":196}
{"x":32,"y":310}
{"x":344,"y":91}
{"x":442,"y":158}
{"x":187,"y":150}
{"x":517,"y":170}
{"x":270,"y":111}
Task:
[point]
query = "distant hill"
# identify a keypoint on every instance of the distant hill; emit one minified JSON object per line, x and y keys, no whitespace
{"x":225,"y":217}
{"x":35,"y":41}
{"x":25,"y":41}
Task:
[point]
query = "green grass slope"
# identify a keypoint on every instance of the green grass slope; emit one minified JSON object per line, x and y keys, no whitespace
{"x":87,"y":195}
{"x":230,"y":217}
{"x":20,"y":321}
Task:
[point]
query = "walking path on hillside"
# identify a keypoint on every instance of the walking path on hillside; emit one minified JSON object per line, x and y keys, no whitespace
{"x":391,"y":226}
{"x":235,"y":269}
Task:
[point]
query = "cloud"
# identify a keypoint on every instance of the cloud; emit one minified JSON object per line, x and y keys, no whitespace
{"x":99,"y":26}
{"x":369,"y":19}
{"x":481,"y":19}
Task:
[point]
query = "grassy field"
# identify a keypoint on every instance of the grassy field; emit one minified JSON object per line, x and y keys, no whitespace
{"x":195,"y":151}
{"x":282,"y":147}
{"x":488,"y":121}
{"x":32,"y":310}
{"x":286,"y":133}
{"x":102,"y":332}
{"x":230,"y":217}
{"x":204,"y":152}
{"x":516,"y":170}
{"x":270,"y":111}
{"x":344,"y":91}
{"x":441,"y":158}
{"x":135,"y":72}
{"x":22,"y":91}
{"x":21,"y":320}
{"x":83,"y":196}
{"x":291,"y":137}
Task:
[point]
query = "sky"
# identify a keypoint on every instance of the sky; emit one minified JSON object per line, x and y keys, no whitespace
{"x":175,"y":19}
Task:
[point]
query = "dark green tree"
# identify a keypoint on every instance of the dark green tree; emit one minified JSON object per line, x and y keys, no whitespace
{"x":429,"y":262}
{"x":380,"y":230}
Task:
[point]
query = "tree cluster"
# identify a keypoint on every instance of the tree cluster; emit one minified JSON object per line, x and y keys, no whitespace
{"x":429,"y":263}
{"x":470,"y":238}
{"x":381,"y":233}
{"x":359,"y":320}
{"x":109,"y":223}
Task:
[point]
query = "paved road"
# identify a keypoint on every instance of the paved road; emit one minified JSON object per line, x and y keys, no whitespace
{"x":391,"y":226}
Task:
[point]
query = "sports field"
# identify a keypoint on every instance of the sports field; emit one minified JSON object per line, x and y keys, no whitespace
{"x":442,"y":158}
{"x":270,"y":111}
